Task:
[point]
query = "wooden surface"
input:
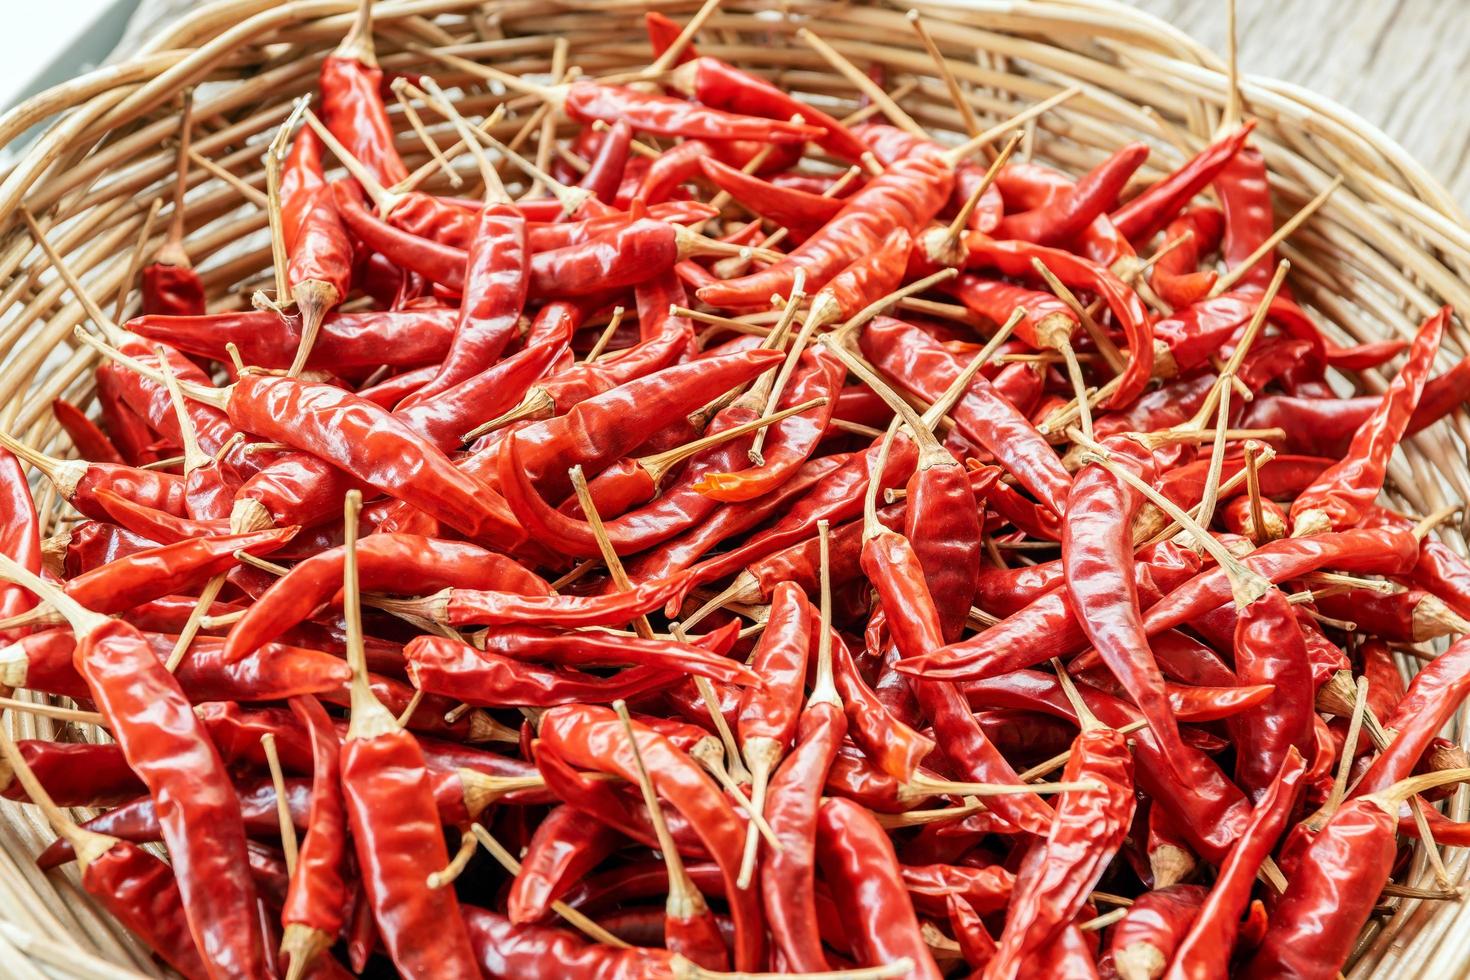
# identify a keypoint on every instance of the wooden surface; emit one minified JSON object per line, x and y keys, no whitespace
{"x":1404,"y":65}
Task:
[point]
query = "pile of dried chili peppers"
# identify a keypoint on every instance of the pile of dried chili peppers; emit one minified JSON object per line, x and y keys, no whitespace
{"x":764,"y":542}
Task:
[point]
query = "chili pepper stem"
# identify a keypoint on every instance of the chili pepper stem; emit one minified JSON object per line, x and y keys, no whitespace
{"x":83,"y":621}
{"x":417,"y":123}
{"x":283,"y":809}
{"x":931,"y":452}
{"x":553,"y":95}
{"x":536,"y":404}
{"x":1391,"y":798}
{"x":461,"y":860}
{"x":824,"y":687}
{"x":135,"y":260}
{"x":659,"y":464}
{"x":684,"y":900}
{"x":216,"y":397}
{"x":782,"y":375}
{"x":671,"y":54}
{"x":433,"y":96}
{"x":63,"y":474}
{"x":313,"y":298}
{"x":358,"y":44}
{"x":55,"y":711}
{"x":1234,"y":276}
{"x":762,"y":755}
{"x":947,"y":248}
{"x":969,"y":148}
{"x":882,"y":303}
{"x":615,"y":321}
{"x":300,"y":946}
{"x":87,"y":844}
{"x":1086,"y":720}
{"x":368,"y":717}
{"x":382,"y":198}
{"x":172,"y":251}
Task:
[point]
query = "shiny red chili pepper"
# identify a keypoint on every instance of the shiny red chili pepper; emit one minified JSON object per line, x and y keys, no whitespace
{"x":1340,"y":495}
{"x":1144,"y":940}
{"x":801,"y":211}
{"x":347,"y":341}
{"x":1064,"y":217}
{"x":919,"y":364}
{"x":567,"y":845}
{"x":594,"y":738}
{"x":1177,"y":276}
{"x":90,"y":441}
{"x":1057,"y":876}
{"x":1205,"y":950}
{"x":906,"y":195}
{"x":858,"y":861}
{"x":315,"y":902}
{"x":1141,"y":218}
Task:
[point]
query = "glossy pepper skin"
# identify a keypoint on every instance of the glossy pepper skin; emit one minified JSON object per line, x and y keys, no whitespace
{"x":199,"y":813}
{"x":396,"y":834}
{"x":318,"y":887}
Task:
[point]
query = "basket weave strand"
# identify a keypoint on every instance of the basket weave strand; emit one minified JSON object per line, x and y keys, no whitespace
{"x":1389,"y":247}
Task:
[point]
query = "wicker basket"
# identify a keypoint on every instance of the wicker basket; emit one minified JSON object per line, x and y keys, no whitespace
{"x":1389,"y":247}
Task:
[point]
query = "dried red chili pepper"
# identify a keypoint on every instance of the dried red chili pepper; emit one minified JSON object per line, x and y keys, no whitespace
{"x":1141,"y":218}
{"x":1064,"y":217}
{"x":1340,"y":495}
{"x":1143,"y":942}
{"x":857,"y":859}
{"x":1205,"y":950}
{"x":592,"y":737}
{"x":567,"y":845}
{"x":352,"y":107}
{"x":1176,"y":275}
{"x":313,"y":912}
{"x":169,"y":750}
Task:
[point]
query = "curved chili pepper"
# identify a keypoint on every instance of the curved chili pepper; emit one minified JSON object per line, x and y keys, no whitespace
{"x":1015,"y":258}
{"x":91,"y":442}
{"x":75,"y":773}
{"x":496,"y":280}
{"x":801,"y":211}
{"x":439,"y":263}
{"x":199,"y":815}
{"x":1339,"y":496}
{"x":769,"y":712}
{"x":1047,"y":627}
{"x":593,"y":737}
{"x":1056,"y":877}
{"x":662,"y":115}
{"x":1141,"y":218}
{"x":566,"y":846}
{"x":1065,"y":216}
{"x":1176,"y":275}
{"x":1205,"y":950}
{"x":893,"y":568}
{"x":906,"y":195}
{"x":858,"y":860}
{"x":1250,"y":218}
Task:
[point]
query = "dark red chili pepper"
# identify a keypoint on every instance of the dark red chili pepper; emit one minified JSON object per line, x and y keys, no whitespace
{"x":347,"y":341}
{"x":90,"y":441}
{"x":567,"y":845}
{"x":1269,"y":649}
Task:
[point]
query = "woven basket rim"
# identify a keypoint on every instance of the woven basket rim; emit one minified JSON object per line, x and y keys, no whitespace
{"x":1395,"y":222}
